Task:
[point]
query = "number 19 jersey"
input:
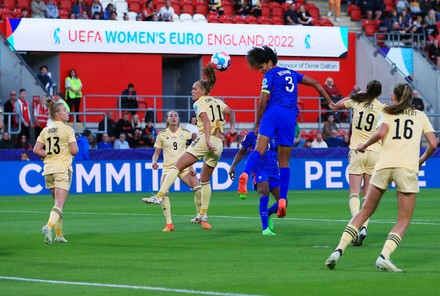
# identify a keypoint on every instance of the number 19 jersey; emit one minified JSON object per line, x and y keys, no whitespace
{"x":56,"y":139}
{"x":364,"y":123}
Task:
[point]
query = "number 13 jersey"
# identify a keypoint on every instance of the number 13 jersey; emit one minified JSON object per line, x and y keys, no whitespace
{"x":56,"y":139}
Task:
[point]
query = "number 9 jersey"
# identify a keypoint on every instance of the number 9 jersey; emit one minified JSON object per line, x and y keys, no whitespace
{"x":56,"y":139}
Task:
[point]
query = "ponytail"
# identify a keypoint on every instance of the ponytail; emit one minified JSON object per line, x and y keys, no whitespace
{"x":403,"y":95}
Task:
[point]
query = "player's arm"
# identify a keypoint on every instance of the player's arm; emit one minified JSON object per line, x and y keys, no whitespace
{"x":228,"y":111}
{"x":378,"y":135}
{"x":73,"y":148}
{"x":313,"y":83}
{"x":264,"y":97}
{"x":341,"y":103}
{"x":432,"y":145}
{"x":238,"y":157}
{"x":39,"y":149}
{"x":154,"y":159}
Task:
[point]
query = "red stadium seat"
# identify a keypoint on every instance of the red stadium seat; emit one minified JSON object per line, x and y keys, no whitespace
{"x":64,"y":14}
{"x":23,"y":4}
{"x":264,"y":20}
{"x":17,"y":13}
{"x":238,"y":19}
{"x":9,"y":4}
{"x":277,"y":11}
{"x":265,"y":11}
{"x":273,"y":4}
{"x":212,"y":18}
{"x":355,"y":13}
{"x":228,"y":9}
{"x":250,"y":19}
{"x":277,"y":20}
{"x":201,"y":8}
{"x":304,"y":135}
{"x":176,"y":7}
{"x":188,"y":8}
{"x":314,"y":12}
{"x":65,"y":5}
{"x":226,"y":19}
{"x":135,"y":7}
{"x":342,"y":133}
{"x":312,"y":134}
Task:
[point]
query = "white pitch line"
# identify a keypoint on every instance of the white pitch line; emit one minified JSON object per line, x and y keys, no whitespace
{"x":379,"y":221}
{"x":133,"y":287}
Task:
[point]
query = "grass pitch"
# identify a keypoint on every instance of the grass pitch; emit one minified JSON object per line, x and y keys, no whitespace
{"x":116,"y":247}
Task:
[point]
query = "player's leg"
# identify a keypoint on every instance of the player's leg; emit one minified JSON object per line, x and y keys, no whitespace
{"x":194,"y":184}
{"x":407,"y":188}
{"x":374,"y":196}
{"x":166,"y":207}
{"x":184,"y":161}
{"x":205,"y":176}
{"x":251,"y":162}
{"x":263,"y":191}
{"x":284,"y":153}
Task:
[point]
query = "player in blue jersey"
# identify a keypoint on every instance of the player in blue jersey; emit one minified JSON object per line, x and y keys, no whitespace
{"x":266,"y":178}
{"x":276,"y":115}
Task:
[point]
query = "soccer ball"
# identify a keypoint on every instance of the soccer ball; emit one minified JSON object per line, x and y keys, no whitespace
{"x":221,"y":61}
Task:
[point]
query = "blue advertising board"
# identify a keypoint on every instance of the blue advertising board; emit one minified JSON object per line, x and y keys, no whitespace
{"x":317,"y":170}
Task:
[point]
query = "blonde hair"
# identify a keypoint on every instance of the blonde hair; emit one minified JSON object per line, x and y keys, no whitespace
{"x":403,"y":94}
{"x":53,"y":107}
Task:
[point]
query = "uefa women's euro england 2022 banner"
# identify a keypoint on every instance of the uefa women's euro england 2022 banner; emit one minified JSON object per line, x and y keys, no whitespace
{"x":320,"y":172}
{"x":65,"y":35}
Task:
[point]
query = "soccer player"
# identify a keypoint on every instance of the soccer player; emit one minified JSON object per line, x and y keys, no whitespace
{"x":210,"y":113}
{"x":399,"y":160}
{"x":1,"y":120}
{"x":57,"y":145}
{"x":276,"y":115}
{"x":173,"y":141}
{"x":266,"y":178}
{"x":366,"y":111}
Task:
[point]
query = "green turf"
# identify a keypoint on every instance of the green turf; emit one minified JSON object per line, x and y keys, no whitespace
{"x":115,"y":239}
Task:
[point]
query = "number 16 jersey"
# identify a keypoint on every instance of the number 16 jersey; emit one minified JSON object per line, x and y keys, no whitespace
{"x":56,"y":139}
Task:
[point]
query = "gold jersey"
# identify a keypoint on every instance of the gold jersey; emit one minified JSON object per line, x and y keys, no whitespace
{"x":214,"y":109}
{"x":172,"y":145}
{"x":56,"y":139}
{"x":364,"y":122}
{"x":401,"y":145}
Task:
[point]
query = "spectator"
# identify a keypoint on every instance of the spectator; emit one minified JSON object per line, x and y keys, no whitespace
{"x":298,"y":142}
{"x":414,"y":7}
{"x":319,"y":142}
{"x":38,"y":9}
{"x":430,"y":21}
{"x":137,"y":140}
{"x":334,"y":5}
{"x":125,"y":17}
{"x":307,"y":144}
{"x":111,"y":126}
{"x":120,"y":142}
{"x":24,"y":13}
{"x":216,"y":6}
{"x":418,"y":101}
{"x":83,"y":146}
{"x":433,"y":53}
{"x":124,"y":125}
{"x":135,"y":122}
{"x":84,"y":15}
{"x":139,"y":17}
{"x":96,"y":7}
{"x":1,"y":120}
{"x":372,"y":7}
{"x":92,"y":141}
{"x":346,"y":141}
{"x":230,"y":138}
{"x":356,"y":89}
{"x":6,"y":142}
{"x":436,"y":6}
{"x":113,"y":16}
{"x":304,"y":17}
{"x":147,"y":13}
{"x":25,"y":156}
{"x":24,"y":113}
{"x":402,"y":5}
{"x":192,"y":125}
{"x":105,"y":143}
{"x":149,"y":135}
{"x":79,"y":8}
{"x":41,"y":115}
{"x":425,"y":7}
{"x":334,"y":141}
{"x":404,"y":19}
{"x":11,"y":106}
{"x":129,"y":99}
{"x":73,"y":92}
{"x":45,"y":79}
{"x":51,"y":10}
{"x":328,"y":126}
{"x":23,"y":143}
{"x":252,"y":7}
{"x":108,"y":11}
{"x":237,"y":142}
{"x":166,"y":12}
{"x":72,"y":16}
{"x":290,"y":16}
{"x":334,"y":93}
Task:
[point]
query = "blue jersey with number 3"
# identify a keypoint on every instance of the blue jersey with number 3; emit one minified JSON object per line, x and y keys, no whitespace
{"x":282,"y":85}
